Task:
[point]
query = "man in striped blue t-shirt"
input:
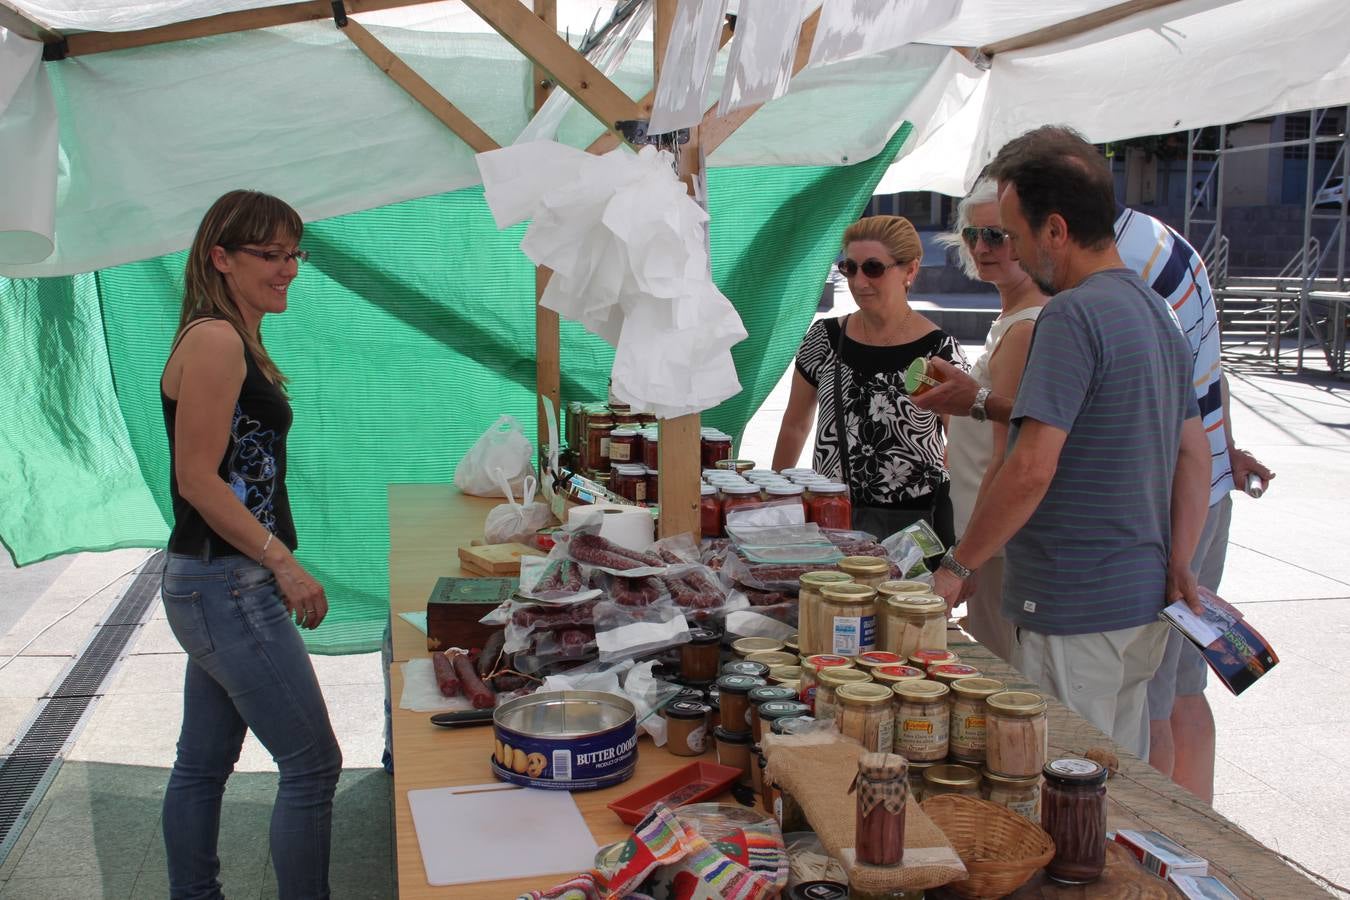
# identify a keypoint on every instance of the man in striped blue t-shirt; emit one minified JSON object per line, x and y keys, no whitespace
{"x":1101,"y":497}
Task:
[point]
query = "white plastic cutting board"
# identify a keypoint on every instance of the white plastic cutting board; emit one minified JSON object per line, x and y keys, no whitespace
{"x":486,"y":832}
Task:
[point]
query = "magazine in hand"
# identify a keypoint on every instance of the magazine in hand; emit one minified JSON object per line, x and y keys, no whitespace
{"x":1235,"y":650}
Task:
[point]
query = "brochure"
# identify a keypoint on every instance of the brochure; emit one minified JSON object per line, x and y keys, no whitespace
{"x":1235,"y":650}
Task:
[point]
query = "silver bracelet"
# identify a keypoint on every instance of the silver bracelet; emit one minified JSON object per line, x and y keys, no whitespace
{"x":267,"y":543}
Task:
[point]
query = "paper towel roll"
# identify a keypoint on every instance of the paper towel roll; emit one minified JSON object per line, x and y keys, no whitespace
{"x":627,"y":526}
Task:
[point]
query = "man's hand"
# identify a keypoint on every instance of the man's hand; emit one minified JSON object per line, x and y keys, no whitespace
{"x":947,"y":586}
{"x":954,"y":396}
{"x":1181,"y":585}
{"x":1244,"y":464}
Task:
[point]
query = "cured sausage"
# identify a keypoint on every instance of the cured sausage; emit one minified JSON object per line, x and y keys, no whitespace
{"x":446,"y":680}
{"x":479,"y":694}
{"x":598,"y":551}
{"x":562,"y":576}
{"x":492,"y":651}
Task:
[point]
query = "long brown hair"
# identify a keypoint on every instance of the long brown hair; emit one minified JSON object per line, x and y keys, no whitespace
{"x":239,"y":217}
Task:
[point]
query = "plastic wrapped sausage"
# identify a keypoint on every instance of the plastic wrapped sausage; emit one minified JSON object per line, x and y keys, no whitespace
{"x":479,"y":694}
{"x":594,"y":550}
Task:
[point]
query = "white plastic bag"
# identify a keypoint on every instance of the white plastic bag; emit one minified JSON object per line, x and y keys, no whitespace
{"x":512,"y":521}
{"x":503,"y":449}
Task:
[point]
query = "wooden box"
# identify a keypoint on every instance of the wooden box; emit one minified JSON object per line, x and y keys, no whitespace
{"x":456,"y":605}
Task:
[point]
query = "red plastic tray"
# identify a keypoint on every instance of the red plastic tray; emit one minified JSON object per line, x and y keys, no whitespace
{"x":693,"y":783}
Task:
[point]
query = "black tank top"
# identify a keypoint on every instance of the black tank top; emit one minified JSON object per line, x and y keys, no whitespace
{"x":254,"y":466}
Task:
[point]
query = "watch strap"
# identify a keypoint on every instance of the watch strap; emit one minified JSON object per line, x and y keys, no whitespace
{"x":951,"y":565}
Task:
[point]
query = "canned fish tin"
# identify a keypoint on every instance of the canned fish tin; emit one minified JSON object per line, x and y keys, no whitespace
{"x":565,"y":740}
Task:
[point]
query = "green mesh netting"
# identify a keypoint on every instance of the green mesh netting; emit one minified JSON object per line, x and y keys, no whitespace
{"x":408,"y":333}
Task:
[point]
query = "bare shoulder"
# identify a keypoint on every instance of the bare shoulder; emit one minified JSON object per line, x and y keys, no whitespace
{"x":215,"y":336}
{"x":210,"y":354}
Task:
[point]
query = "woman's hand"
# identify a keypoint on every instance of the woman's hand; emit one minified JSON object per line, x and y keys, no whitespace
{"x":303,"y":596}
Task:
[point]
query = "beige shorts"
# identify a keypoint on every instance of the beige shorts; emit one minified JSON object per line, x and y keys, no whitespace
{"x":1103,"y":676}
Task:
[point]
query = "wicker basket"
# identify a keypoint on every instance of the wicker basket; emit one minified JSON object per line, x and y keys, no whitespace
{"x":1001,"y":850}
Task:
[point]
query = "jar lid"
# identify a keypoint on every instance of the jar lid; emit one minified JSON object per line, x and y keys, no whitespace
{"x":864,"y":565}
{"x":598,"y":422}
{"x":882,"y":765}
{"x":791,"y":724}
{"x":771,"y":693}
{"x":785,"y":673}
{"x":824,"y":577}
{"x":745,"y":667}
{"x":837,"y":677}
{"x":738,"y":684}
{"x":708,"y":473}
{"x":624,"y":432}
{"x":708,"y":430}
{"x":916,"y":374}
{"x":778,"y":709}
{"x":949,"y":672}
{"x":689,"y":693}
{"x":686,"y":709}
{"x":784,"y":490}
{"x":790,"y":643}
{"x":1017,"y":703}
{"x":827,"y":487}
{"x":900,"y":586}
{"x":952,"y":775}
{"x":748,"y":645}
{"x":849,"y":592}
{"x":1072,"y":770}
{"x":826,"y":660}
{"x":771,"y":658}
{"x":922,"y":659}
{"x":739,"y":489}
{"x":630,"y":469}
{"x":707,"y":490}
{"x":912,"y":604}
{"x":650,"y":471}
{"x":978,"y":687}
{"x":1011,"y":781}
{"x":874,"y":658}
{"x":703,"y":636}
{"x":898,"y":673}
{"x":787,"y":472}
{"x":817,"y":890}
{"x":731,"y":737}
{"x":923,"y":691}
{"x":865,"y":694}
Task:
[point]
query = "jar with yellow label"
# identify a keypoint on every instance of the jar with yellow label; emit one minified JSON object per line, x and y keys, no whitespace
{"x":811,"y":668}
{"x":912,"y":621}
{"x":808,"y":602}
{"x":868,"y":570}
{"x":1021,"y":795}
{"x":968,"y":711}
{"x":831,"y":680}
{"x":921,"y":720}
{"x":866,"y":715}
{"x":848,"y":620}
{"x":951,"y":778}
{"x":1016,"y":733}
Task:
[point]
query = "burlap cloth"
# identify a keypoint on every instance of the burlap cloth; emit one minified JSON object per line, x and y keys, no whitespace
{"x":817,"y":769}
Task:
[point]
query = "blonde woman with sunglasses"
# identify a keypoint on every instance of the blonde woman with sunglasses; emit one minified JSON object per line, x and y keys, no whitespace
{"x":850,"y":377}
{"x":973,"y":445}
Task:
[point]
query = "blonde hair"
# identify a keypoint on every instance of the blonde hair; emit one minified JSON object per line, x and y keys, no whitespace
{"x":239,"y":217}
{"x":984,"y":191}
{"x":896,"y":233}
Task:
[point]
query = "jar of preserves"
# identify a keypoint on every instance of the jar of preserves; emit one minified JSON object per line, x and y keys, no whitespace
{"x":792,"y":644}
{"x":811,"y":668}
{"x":882,"y":790}
{"x":947,"y":673}
{"x":786,"y":493}
{"x":698,"y":657}
{"x":921,"y":720}
{"x":788,"y":473}
{"x":950,"y":778}
{"x":1073,"y":813}
{"x":847,"y":620}
{"x":735,"y":701}
{"x":598,"y":427}
{"x":737,"y":466}
{"x":653,"y":478}
{"x":866,"y":715}
{"x":1016,"y":736}
{"x":630,"y":482}
{"x":1021,"y":795}
{"x":893,"y":675}
{"x":745,"y":667}
{"x":743,"y":647}
{"x":808,"y":609}
{"x":625,"y":446}
{"x":787,"y":676}
{"x":768,"y":693}
{"x":831,"y":680}
{"x":868,"y":570}
{"x":967,"y":733}
{"x":926,"y":659}
{"x":738,"y":496}
{"x":709,"y":512}
{"x":911,"y":621}
{"x":828,"y":505}
{"x":572,"y":426}
{"x":773,"y":710}
{"x":773,"y":658}
{"x":714,"y":446}
{"x":651,"y":448}
{"x":733,"y":749}
{"x":876,"y":659}
{"x":792,"y":724}
{"x":624,"y":415}
{"x":686,"y":728}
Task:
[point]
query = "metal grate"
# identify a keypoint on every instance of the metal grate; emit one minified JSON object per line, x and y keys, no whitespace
{"x":26,"y":773}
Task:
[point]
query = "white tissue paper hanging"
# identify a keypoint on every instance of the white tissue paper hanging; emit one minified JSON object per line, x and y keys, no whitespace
{"x":628,"y":250}
{"x":850,"y":28}
{"x":28,"y":146}
{"x":682,"y":93}
{"x":762,"y":52}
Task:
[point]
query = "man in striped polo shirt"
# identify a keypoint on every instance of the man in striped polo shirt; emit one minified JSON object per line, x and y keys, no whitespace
{"x":1102,"y":494}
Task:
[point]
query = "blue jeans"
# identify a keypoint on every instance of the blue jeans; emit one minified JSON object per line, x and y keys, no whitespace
{"x":247,"y":668}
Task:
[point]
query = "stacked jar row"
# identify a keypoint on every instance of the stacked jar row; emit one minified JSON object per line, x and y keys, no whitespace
{"x":858,"y":609}
{"x":736,"y":485}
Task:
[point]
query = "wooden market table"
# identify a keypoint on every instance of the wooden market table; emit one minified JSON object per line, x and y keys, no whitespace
{"x":427,"y":525}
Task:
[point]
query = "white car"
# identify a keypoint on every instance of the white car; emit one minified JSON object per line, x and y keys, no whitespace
{"x":1331,"y":195}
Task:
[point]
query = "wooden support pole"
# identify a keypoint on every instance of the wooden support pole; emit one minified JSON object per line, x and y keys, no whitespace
{"x":547,"y":337}
{"x":419,"y":88}
{"x":1074,"y":27}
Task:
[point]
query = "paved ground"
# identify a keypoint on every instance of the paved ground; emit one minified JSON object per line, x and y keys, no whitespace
{"x":1281,"y":746}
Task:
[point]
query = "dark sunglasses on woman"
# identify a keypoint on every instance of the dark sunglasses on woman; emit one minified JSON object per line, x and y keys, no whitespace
{"x":872,"y":268}
{"x":993,"y":237}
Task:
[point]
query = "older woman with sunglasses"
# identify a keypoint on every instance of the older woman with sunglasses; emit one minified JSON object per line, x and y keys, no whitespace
{"x":974,"y":448}
{"x":851,"y":371}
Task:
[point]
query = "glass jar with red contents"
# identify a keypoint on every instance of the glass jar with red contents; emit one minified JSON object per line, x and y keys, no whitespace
{"x":653,"y":484}
{"x":598,"y":427}
{"x":630,"y":483}
{"x":625,"y":447}
{"x":651,"y":448}
{"x":714,"y":445}
{"x":709,"y":512}
{"x":738,"y":496}
{"x":785,"y":493}
{"x":828,"y":505}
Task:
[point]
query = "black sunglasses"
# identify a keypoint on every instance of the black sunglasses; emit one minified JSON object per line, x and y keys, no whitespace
{"x":994,"y":237}
{"x":872,"y":268}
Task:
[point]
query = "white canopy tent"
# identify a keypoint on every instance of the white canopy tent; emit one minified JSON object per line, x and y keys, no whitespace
{"x":111,"y":156}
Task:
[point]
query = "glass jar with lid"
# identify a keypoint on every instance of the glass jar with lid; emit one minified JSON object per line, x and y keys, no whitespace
{"x":625,"y":446}
{"x":630,"y":482}
{"x":767,"y":693}
{"x":949,"y":673}
{"x":651,"y":448}
{"x":921,"y":720}
{"x":893,"y":675}
{"x":911,"y":621}
{"x":828,"y":505}
{"x":598,"y":427}
{"x":1021,"y":795}
{"x":877,"y":659}
{"x":686,"y":727}
{"x":926,"y":658}
{"x":738,"y":496}
{"x":868,"y":570}
{"x":951,"y":778}
{"x":1073,"y":813}
{"x":1016,"y":735}
{"x":773,"y":658}
{"x":788,"y":676}
{"x":786,"y":493}
{"x":743,"y":647}
{"x":653,"y":484}
{"x":709,"y":512}
{"x":847,"y":619}
{"x":698,"y":657}
{"x":830,"y":681}
{"x":734,"y":701}
{"x":808,"y":608}
{"x":867,"y":715}
{"x":745,"y":667}
{"x":811,"y":668}
{"x":768,"y":713}
{"x":714,"y":446}
{"x":968,"y":712}
{"x":792,"y":645}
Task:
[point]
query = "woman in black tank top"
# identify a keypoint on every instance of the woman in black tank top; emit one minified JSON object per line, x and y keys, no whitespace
{"x":233,"y":589}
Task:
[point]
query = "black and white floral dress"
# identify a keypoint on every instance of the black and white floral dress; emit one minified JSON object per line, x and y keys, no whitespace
{"x":895,"y":448}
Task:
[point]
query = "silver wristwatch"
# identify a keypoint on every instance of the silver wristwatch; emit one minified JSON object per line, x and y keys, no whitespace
{"x":951,"y":565}
{"x":977,"y":411}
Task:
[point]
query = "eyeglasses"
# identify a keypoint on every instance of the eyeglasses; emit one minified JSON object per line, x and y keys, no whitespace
{"x":994,"y":237}
{"x":274,"y":256}
{"x":872,"y":268}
